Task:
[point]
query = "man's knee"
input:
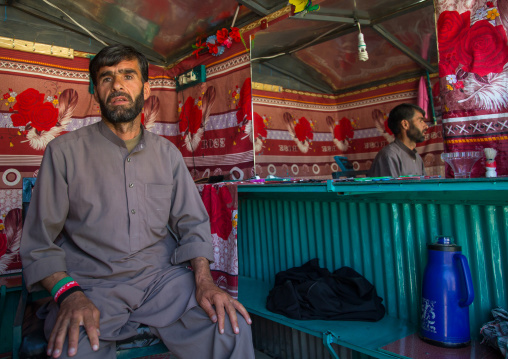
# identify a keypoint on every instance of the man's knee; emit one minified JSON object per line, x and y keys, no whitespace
{"x":107,"y":350}
{"x":243,"y":326}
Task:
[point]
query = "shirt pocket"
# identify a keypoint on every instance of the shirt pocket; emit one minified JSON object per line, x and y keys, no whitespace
{"x":158,"y":204}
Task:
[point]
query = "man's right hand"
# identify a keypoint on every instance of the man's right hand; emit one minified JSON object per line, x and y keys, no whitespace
{"x":76,"y":310}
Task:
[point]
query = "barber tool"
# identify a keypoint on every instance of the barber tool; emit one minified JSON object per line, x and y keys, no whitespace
{"x":490,"y":164}
{"x":447,"y":292}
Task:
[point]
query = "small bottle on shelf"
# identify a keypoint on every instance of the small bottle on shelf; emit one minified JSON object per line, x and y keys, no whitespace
{"x":490,"y":169}
{"x":490,"y":163}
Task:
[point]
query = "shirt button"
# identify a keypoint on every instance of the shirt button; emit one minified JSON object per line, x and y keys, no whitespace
{"x":133,"y":211}
{"x":128,"y":159}
{"x":131,"y":185}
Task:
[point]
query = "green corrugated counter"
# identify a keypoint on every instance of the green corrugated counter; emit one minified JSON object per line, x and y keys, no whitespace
{"x":381,"y":230}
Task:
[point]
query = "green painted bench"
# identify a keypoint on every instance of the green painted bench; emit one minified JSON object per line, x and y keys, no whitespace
{"x":364,"y":337}
{"x":381,"y":230}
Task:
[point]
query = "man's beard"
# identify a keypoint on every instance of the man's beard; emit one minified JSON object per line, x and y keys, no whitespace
{"x":414,"y":134}
{"x":125,"y":113}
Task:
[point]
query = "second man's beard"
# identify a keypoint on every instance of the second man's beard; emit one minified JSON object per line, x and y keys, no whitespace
{"x":122,"y":114}
{"x":414,"y":134}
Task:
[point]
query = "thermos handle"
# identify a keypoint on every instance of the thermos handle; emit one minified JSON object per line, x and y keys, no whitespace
{"x":468,"y":281}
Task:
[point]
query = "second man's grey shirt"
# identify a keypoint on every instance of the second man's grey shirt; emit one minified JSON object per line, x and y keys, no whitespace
{"x":396,"y":160}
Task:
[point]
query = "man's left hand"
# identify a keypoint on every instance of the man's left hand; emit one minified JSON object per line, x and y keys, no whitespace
{"x":214,"y":300}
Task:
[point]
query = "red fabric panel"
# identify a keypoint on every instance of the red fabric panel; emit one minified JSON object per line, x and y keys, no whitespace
{"x":473,"y":68}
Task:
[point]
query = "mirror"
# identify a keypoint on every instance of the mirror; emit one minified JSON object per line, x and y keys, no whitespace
{"x":314,"y":99}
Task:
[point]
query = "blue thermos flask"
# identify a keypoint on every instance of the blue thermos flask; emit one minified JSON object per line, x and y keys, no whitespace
{"x":447,"y":292}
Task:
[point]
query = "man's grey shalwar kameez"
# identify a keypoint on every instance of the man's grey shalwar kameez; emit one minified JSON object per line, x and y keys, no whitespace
{"x":100,"y":213}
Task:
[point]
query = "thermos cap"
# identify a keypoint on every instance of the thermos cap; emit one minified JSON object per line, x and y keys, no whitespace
{"x":444,"y":244}
{"x":444,"y":240}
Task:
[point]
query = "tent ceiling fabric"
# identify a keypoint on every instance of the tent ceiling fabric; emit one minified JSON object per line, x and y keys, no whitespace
{"x":314,"y":52}
{"x":162,"y":29}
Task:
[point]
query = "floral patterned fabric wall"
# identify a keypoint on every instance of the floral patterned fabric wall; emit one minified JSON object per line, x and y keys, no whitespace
{"x":298,"y":134}
{"x":42,"y":97}
{"x":473,"y":71}
{"x":214,"y":131}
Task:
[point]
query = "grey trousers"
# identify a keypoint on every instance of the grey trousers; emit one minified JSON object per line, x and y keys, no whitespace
{"x":193,"y":336}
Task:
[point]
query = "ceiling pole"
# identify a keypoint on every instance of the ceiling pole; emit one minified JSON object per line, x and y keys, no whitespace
{"x":258,"y":9}
{"x":408,"y":9}
{"x":289,"y":74}
{"x":331,"y":18}
{"x":406,"y":50}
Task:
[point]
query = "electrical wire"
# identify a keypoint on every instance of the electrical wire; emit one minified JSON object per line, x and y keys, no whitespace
{"x":300,"y":47}
{"x":74,"y":21}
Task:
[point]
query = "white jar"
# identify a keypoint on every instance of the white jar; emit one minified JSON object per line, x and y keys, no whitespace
{"x":490,"y":170}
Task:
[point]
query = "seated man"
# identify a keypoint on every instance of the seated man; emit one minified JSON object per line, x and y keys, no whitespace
{"x":99,"y":216}
{"x":399,"y":158}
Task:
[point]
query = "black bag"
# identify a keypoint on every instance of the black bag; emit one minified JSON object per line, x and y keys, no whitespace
{"x":311,"y":292}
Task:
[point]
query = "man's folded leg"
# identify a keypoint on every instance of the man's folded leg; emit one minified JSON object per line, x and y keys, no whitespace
{"x":194,"y":335}
{"x":107,"y":349}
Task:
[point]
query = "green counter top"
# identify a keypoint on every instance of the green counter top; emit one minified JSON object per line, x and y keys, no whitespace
{"x":484,"y":191}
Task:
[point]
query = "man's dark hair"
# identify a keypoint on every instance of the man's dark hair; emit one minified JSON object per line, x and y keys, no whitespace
{"x":404,"y":111}
{"x":112,"y":55}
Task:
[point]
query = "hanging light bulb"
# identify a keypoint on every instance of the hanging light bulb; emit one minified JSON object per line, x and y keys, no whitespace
{"x":362,"y":46}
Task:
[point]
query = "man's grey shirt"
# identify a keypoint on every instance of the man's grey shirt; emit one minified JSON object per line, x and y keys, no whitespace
{"x":101,"y":213}
{"x":396,"y":160}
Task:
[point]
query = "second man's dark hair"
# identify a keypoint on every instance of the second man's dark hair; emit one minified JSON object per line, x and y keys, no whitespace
{"x":114,"y":54}
{"x":404,"y":111}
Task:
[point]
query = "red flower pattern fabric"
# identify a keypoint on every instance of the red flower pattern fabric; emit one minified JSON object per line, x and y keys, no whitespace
{"x":26,"y":100}
{"x":259,"y":126}
{"x":343,"y":130}
{"x":303,"y":130}
{"x":44,"y":116}
{"x":473,"y":65}
{"x":451,"y":27}
{"x":32,"y":110}
{"x":387,"y":129}
{"x":218,"y":205}
{"x":19,"y":119}
{"x":190,"y":117}
{"x":244,"y":103}
{"x":3,"y":244}
{"x":483,"y":50}
{"x":447,"y":67}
